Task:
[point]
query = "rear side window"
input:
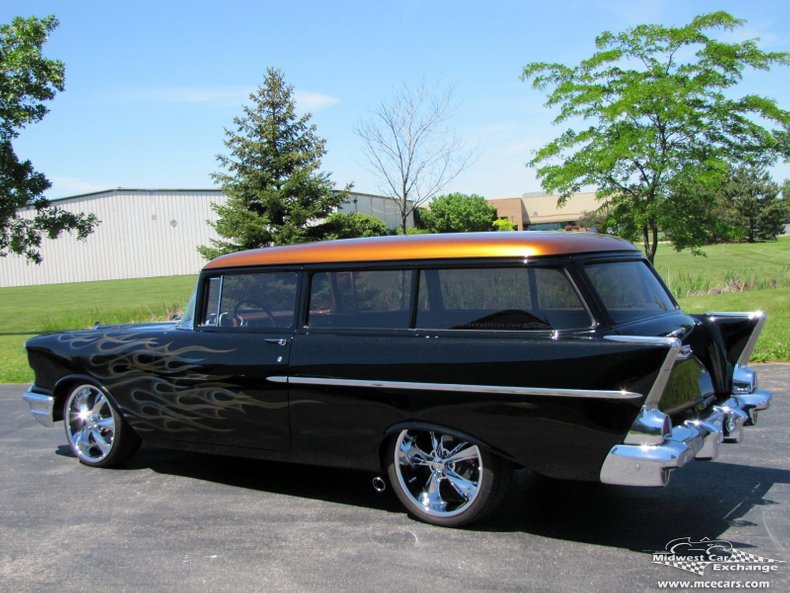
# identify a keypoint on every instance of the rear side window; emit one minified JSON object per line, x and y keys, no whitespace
{"x":361,"y":299}
{"x":255,"y":300}
{"x":629,"y":290}
{"x":523,"y":298}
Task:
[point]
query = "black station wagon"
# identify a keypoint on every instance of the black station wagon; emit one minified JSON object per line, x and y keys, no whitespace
{"x":437,"y":362}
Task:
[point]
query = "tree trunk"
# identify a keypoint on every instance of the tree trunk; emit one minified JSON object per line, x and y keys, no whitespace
{"x":650,"y":240}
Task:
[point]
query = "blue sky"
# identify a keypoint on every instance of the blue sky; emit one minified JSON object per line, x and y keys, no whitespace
{"x":150,"y":85}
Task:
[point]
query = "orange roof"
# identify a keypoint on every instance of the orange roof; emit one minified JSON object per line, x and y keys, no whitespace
{"x":421,"y":247}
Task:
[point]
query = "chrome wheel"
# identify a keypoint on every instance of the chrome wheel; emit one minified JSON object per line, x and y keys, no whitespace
{"x":91,"y":424}
{"x":439,"y":474}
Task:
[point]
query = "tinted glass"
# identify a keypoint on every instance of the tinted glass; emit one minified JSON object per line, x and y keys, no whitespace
{"x":367,"y":298}
{"x":188,"y":317}
{"x":629,"y":290}
{"x":523,"y":298}
{"x":258,"y":300}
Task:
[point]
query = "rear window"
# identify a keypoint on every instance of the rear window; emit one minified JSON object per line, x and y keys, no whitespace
{"x":524,"y":298}
{"x":629,"y":290}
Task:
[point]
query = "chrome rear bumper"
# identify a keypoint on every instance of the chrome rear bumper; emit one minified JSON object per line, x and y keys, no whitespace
{"x":41,"y":406}
{"x":647,"y":459}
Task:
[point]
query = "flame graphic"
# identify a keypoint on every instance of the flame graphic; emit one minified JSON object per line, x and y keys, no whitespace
{"x":166,"y":391}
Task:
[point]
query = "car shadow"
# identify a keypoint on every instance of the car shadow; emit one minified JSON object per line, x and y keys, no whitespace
{"x":343,"y":486}
{"x":704,"y":501}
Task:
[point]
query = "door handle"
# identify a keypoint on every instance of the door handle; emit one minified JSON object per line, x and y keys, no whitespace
{"x":278,"y":341}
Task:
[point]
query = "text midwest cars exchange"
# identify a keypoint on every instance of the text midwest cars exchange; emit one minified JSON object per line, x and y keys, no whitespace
{"x":438,"y":362}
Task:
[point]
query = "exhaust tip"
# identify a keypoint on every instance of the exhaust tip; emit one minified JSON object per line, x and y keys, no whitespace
{"x":379,"y":485}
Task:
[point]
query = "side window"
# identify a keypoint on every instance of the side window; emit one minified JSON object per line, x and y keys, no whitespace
{"x":211,"y":313}
{"x":361,"y":299}
{"x":254,"y":300}
{"x":524,"y":298}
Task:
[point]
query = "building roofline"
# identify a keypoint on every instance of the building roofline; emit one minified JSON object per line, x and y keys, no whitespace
{"x":214,"y":190}
{"x":117,"y":190}
{"x":537,"y":194}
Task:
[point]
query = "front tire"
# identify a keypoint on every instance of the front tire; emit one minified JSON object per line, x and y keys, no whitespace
{"x":98,"y":435}
{"x":445,"y":480}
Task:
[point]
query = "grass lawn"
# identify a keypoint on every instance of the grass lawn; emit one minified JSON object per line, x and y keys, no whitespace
{"x":717,"y":281}
{"x":733,"y":267}
{"x":774,"y":342}
{"x":29,"y":310}
{"x":712,"y":283}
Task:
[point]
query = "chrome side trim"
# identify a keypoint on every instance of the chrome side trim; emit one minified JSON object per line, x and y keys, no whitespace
{"x":760,"y":316}
{"x":41,"y":406}
{"x":455,"y":387}
{"x":673,"y":344}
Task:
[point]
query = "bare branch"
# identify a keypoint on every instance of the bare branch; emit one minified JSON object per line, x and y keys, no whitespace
{"x":409,"y":148}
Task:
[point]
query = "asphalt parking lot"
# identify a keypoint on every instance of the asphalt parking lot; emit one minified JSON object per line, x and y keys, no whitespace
{"x":172,"y":521}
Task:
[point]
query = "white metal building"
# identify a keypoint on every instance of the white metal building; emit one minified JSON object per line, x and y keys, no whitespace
{"x":143,"y":233}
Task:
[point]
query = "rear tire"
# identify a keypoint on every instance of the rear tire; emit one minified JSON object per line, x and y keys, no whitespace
{"x":97,"y":433}
{"x":444,"y":480}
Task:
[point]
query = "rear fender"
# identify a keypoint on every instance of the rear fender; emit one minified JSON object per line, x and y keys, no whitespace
{"x":727,"y":344}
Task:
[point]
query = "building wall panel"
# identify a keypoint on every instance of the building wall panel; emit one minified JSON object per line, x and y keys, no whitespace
{"x":143,"y":233}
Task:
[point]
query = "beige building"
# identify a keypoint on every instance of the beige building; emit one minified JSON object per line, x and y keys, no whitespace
{"x":539,"y":211}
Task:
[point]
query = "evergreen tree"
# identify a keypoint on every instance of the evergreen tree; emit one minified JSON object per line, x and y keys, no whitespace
{"x":341,"y":225}
{"x":276,"y":194}
{"x":751,"y":205}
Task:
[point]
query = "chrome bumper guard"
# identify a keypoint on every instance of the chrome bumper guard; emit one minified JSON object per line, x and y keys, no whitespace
{"x":642,"y":461}
{"x":41,"y":406}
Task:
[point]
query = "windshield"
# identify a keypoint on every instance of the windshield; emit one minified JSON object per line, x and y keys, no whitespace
{"x":629,"y":290}
{"x":188,"y":317}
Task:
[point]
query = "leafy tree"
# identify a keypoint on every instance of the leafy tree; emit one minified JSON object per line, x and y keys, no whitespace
{"x":596,"y":219}
{"x":503,"y":224}
{"x":27,"y":79}
{"x":660,"y":117}
{"x":415,"y":231}
{"x":458,"y":213}
{"x":409,"y":148}
{"x":751,"y":205}
{"x":341,"y":225}
{"x":275,"y":191}
{"x":786,"y":196}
